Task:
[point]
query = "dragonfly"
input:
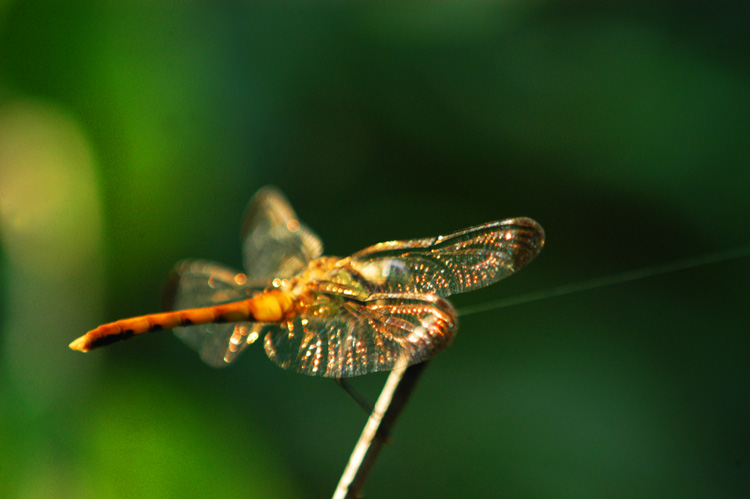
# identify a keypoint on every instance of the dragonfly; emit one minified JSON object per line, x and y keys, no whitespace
{"x":381,"y":308}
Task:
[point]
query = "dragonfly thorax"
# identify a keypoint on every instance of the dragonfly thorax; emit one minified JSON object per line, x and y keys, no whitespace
{"x":316,"y":271}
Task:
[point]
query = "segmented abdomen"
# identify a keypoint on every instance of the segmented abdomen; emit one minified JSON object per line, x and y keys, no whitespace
{"x":271,"y":306}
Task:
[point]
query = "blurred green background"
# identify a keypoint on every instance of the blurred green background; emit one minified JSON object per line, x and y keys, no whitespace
{"x":133,"y":133}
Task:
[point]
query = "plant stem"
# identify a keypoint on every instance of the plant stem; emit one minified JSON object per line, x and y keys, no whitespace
{"x":391,"y":402}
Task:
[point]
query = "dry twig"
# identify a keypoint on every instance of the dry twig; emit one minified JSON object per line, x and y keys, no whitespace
{"x":392,"y":399}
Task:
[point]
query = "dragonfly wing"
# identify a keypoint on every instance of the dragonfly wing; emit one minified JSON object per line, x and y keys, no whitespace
{"x":444,"y":265}
{"x":199,"y":283}
{"x":220,"y":344}
{"x":338,"y":337}
{"x":275,"y":242}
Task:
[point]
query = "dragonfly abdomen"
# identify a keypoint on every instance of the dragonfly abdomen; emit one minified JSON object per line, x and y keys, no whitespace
{"x":271,"y":306}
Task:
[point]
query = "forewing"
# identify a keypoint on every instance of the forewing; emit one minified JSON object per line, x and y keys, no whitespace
{"x":199,"y":283}
{"x":336,"y":337}
{"x":444,"y":265}
{"x":275,"y":242}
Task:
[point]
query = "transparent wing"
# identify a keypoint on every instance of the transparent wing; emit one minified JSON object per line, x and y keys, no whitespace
{"x":275,"y":242}
{"x":220,"y":344}
{"x":444,"y":265}
{"x":340,"y":337}
{"x":199,"y":283}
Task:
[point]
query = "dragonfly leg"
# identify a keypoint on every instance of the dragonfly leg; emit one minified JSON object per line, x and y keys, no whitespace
{"x":354,"y":394}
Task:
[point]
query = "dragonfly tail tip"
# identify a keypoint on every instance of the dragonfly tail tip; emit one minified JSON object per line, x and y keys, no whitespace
{"x":80,"y":344}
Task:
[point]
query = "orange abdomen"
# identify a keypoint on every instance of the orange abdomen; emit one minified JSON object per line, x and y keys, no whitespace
{"x":270,"y":306}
